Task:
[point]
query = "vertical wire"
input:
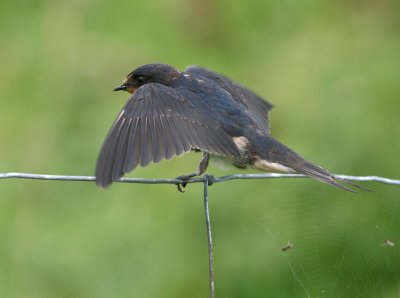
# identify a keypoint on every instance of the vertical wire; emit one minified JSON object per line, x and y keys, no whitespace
{"x":209,"y":236}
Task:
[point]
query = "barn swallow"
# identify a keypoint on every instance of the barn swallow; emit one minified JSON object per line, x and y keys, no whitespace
{"x":172,"y":112}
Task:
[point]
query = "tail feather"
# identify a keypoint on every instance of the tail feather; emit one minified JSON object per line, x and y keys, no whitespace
{"x":320,"y":174}
{"x":278,"y":153}
{"x":353,"y":184}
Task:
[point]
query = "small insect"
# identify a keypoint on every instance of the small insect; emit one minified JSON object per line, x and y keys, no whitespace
{"x":388,"y":243}
{"x":287,"y":246}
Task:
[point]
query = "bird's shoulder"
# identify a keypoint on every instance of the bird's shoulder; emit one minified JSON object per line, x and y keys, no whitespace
{"x":204,"y":93}
{"x":255,"y":106}
{"x":239,"y":92}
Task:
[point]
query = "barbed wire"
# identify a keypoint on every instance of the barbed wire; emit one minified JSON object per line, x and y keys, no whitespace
{"x":207,"y":180}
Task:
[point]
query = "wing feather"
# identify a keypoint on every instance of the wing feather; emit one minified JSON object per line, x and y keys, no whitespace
{"x":159,"y":144}
{"x":130,"y":145}
{"x":121,"y":149}
{"x":146,"y":142}
{"x":158,"y":122}
{"x":178,"y":127}
{"x":169,"y":146}
{"x":134,"y":145}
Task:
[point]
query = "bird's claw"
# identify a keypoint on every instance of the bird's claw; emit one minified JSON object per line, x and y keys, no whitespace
{"x":185,"y":179}
{"x":209,"y":179}
{"x":179,"y":185}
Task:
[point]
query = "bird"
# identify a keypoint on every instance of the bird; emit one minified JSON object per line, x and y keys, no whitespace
{"x":172,"y":112}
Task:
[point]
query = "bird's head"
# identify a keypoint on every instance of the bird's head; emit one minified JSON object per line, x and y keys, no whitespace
{"x":149,"y":73}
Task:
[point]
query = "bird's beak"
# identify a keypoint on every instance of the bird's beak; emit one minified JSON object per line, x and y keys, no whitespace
{"x":124,"y":87}
{"x":119,"y":88}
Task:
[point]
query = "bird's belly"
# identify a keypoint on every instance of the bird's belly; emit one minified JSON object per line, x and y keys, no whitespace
{"x":264,"y":165}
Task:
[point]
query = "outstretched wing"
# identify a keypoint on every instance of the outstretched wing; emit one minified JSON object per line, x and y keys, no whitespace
{"x":255,"y":106}
{"x":156,"y":123}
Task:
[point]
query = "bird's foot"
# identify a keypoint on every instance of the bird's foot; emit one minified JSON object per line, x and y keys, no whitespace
{"x":209,"y":179}
{"x":200,"y":170}
{"x":185,"y":179}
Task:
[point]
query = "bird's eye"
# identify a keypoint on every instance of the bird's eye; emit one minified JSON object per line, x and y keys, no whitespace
{"x":140,"y":80}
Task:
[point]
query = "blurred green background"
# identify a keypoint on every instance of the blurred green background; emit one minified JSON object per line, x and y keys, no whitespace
{"x":331,"y":68}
